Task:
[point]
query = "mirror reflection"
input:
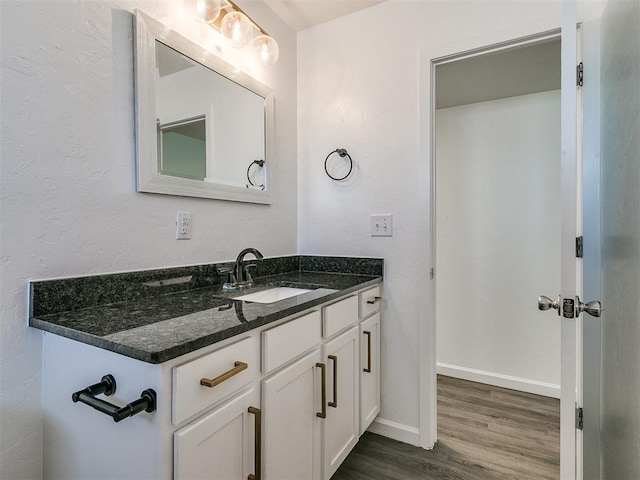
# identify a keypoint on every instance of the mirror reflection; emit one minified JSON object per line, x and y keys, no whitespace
{"x":209,"y":128}
{"x":182,"y":148}
{"x":203,"y":128}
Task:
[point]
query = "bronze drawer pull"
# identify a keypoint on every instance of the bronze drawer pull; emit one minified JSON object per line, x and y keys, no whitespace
{"x":334,"y":404}
{"x":368,"y":369}
{"x":212,"y":382}
{"x":375,"y":300}
{"x":323,"y":375}
{"x":257,"y":450}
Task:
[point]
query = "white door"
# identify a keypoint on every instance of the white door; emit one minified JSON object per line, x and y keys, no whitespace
{"x":620,"y":123}
{"x":570,"y":307}
{"x":569,"y":233}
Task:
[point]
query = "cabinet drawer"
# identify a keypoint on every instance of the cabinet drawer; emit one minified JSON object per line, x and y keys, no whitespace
{"x":224,"y":367}
{"x":370,"y":301}
{"x":340,"y":315}
{"x":287,"y":341}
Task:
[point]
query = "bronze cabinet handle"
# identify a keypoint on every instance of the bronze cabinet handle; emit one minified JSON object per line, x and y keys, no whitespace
{"x":323,"y":375}
{"x":368,"y":369}
{"x":375,"y":300}
{"x":257,"y":451}
{"x":212,"y":382}
{"x":334,"y":404}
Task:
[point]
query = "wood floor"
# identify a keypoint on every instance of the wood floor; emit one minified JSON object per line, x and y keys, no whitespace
{"x":484,"y":433}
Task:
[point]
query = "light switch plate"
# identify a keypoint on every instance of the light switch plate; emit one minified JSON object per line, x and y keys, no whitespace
{"x":382,"y":225}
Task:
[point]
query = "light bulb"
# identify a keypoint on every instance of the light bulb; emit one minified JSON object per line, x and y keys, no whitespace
{"x":266,"y":48}
{"x":208,"y":10}
{"x":237,"y":28}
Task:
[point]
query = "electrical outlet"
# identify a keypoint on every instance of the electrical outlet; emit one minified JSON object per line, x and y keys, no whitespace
{"x":183,"y":226}
{"x":382,"y":225}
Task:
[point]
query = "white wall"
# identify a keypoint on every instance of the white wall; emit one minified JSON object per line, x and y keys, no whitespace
{"x":69,"y":205}
{"x":497,"y":248}
{"x":359,"y":87}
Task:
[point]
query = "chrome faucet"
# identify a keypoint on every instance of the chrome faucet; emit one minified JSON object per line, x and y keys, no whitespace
{"x":241,"y":277}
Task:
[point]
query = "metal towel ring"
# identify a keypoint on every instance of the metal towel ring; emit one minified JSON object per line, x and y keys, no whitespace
{"x":260,"y":163}
{"x":343,"y":153}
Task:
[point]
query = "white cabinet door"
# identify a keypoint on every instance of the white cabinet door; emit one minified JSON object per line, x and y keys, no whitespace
{"x":291,"y":426}
{"x":220,"y":444}
{"x":369,"y":371}
{"x":341,"y":429}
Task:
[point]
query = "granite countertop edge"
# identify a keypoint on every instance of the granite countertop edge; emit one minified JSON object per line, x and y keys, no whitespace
{"x":164,"y":355}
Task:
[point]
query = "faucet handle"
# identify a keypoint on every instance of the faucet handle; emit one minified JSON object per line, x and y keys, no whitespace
{"x":229,"y":271}
{"x":247,"y":274}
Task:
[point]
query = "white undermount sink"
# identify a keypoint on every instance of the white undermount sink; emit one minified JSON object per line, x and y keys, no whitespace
{"x":272,"y":295}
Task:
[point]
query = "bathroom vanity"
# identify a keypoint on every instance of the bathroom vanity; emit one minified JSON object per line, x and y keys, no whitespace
{"x":243,"y":389}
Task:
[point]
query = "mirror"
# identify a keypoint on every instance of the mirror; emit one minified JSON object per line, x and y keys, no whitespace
{"x":203,"y":129}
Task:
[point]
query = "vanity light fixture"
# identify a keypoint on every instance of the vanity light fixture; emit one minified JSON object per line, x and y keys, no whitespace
{"x":208,"y":10}
{"x":237,"y":27}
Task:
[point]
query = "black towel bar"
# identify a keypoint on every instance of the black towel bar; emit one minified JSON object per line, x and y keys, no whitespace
{"x":107,"y":385}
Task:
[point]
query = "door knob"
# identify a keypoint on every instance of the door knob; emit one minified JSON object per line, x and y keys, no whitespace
{"x":545,"y":303}
{"x":592,"y":308}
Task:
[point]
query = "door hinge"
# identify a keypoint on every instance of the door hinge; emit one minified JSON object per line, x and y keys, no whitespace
{"x":580,"y":74}
{"x":580,"y":247}
{"x":579,"y":418}
{"x":431,"y":274}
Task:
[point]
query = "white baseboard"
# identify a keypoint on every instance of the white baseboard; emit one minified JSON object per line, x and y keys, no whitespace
{"x":396,"y":431}
{"x":499,"y":380}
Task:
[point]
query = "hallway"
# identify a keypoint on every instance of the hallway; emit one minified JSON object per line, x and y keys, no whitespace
{"x":485,"y":433}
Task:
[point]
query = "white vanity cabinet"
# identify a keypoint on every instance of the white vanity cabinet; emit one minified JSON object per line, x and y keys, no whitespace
{"x":311,"y":407}
{"x":81,"y":443}
{"x":341,"y":429}
{"x":291,"y":400}
{"x":221,"y":444}
{"x":369,"y":356}
{"x":206,"y":380}
{"x":286,"y":401}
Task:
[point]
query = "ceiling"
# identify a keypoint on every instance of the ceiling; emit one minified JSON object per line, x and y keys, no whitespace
{"x":302,"y":14}
{"x":524,"y":70}
{"x":532,"y":68}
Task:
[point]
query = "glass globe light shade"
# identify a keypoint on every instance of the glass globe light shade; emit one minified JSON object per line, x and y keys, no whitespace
{"x":208,"y":10}
{"x":237,"y":28}
{"x":266,"y":48}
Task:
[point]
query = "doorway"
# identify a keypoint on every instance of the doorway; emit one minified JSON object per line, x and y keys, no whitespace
{"x":496,"y":217}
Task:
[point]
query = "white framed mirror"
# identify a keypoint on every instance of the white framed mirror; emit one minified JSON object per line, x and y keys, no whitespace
{"x":203,"y":129}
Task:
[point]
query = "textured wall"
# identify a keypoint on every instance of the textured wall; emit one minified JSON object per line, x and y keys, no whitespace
{"x":68,"y":199}
{"x":620,"y":87}
{"x":496,"y":219}
{"x":359,"y":88}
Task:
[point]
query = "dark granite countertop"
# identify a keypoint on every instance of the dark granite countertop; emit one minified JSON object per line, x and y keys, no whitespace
{"x":183,"y":315}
